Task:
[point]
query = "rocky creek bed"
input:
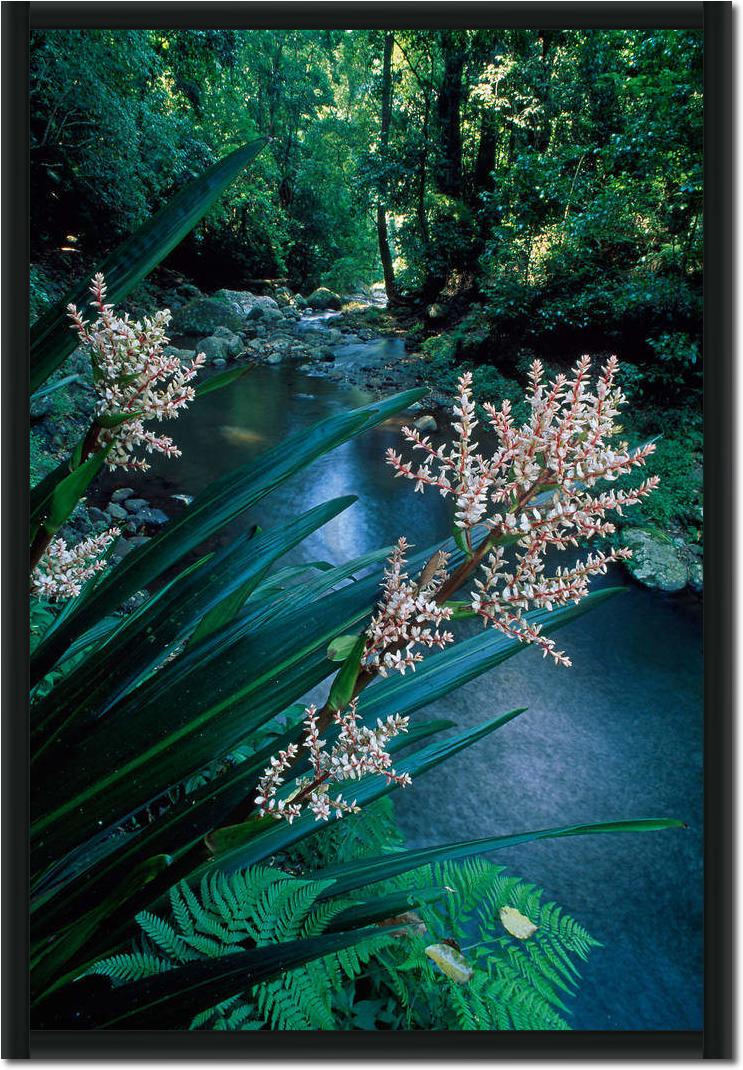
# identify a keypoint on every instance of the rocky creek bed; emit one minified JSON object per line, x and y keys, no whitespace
{"x":323,"y":335}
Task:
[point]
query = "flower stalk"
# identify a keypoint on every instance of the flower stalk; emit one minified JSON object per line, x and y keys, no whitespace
{"x":534,"y":494}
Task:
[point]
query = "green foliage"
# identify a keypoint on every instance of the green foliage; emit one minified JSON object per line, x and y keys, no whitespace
{"x":516,"y":983}
{"x":51,"y":337}
{"x":251,"y":908}
{"x":386,"y":981}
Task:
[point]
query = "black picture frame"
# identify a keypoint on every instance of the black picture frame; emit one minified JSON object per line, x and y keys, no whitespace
{"x":715,"y":1040}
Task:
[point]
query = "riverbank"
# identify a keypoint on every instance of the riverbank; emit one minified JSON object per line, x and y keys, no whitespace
{"x":354,"y":341}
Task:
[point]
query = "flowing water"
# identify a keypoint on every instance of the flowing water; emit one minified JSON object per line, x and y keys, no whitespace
{"x":619,"y":735}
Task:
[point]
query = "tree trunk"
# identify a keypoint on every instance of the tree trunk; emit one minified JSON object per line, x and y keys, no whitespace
{"x":385,"y":253}
{"x":485,"y":162}
{"x":449,"y":179}
{"x":421,"y":198}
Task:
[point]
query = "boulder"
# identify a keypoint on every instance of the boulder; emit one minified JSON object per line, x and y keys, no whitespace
{"x":215,"y":348}
{"x":117,"y":512}
{"x":274,"y":358}
{"x":182,"y":354}
{"x":249,"y":306}
{"x":135,"y":505}
{"x":299,"y":301}
{"x":696,"y":575}
{"x":201,"y":317}
{"x":322,"y":298}
{"x":154,"y":517}
{"x":655,"y":561}
{"x":284,"y":297}
{"x":426,"y":423}
{"x":333,"y":337}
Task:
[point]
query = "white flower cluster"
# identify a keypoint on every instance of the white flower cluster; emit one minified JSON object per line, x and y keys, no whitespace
{"x":535,"y":491}
{"x":358,"y":751}
{"x":401,"y":621}
{"x":63,"y":569}
{"x":131,"y":373}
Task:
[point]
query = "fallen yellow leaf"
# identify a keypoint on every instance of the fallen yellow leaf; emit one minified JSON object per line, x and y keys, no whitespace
{"x":451,"y":962}
{"x":516,"y":923}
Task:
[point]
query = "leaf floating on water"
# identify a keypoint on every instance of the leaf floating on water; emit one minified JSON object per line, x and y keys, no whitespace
{"x":451,"y":962}
{"x":516,"y":923}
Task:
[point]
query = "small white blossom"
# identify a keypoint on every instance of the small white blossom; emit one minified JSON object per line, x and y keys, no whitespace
{"x":535,"y":492}
{"x":406,"y":608}
{"x":131,"y":373}
{"x":63,"y":569}
{"x":358,"y":751}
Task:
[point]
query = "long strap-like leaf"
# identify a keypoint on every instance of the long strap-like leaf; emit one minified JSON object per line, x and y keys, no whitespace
{"x":213,"y":509}
{"x":170,"y":999}
{"x":51,"y":337}
{"x":354,"y":875}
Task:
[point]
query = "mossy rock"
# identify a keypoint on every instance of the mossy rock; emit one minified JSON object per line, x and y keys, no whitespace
{"x":323,"y":299}
{"x":202,"y":316}
{"x":655,"y":561}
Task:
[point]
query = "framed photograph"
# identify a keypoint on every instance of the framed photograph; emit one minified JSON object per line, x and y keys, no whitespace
{"x":367,"y":414}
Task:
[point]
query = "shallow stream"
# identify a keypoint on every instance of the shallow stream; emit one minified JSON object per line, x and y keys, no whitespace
{"x":617,"y":736}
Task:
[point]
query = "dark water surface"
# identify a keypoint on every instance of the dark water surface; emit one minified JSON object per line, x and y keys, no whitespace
{"x":617,"y":736}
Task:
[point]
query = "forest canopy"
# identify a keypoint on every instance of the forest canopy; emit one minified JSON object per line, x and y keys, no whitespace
{"x":553,"y":176}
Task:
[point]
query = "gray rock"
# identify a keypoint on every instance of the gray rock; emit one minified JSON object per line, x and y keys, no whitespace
{"x":334,"y":336}
{"x":117,"y":512}
{"x":249,"y":306}
{"x":135,"y":504}
{"x":274,"y":358}
{"x":215,"y":348}
{"x":323,"y":298}
{"x":201,"y":317}
{"x":122,"y":493}
{"x":219,"y":362}
{"x":284,"y":297}
{"x":299,"y":301}
{"x":121,"y":549}
{"x":42,"y":407}
{"x":696,"y":575}
{"x":182,"y":354}
{"x":426,"y":423}
{"x":655,"y":561}
{"x":227,"y":334}
{"x":437,"y":311}
{"x":154,"y":517}
{"x":98,"y":516}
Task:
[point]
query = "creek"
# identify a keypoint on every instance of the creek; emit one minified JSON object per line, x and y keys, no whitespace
{"x":619,"y":735}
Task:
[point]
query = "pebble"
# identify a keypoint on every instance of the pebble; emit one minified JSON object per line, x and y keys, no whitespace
{"x":121,"y":494}
{"x":135,"y":504}
{"x":118,"y":512}
{"x":154,"y":517}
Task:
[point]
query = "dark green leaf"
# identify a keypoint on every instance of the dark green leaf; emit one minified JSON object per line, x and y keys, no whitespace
{"x":52,"y":338}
